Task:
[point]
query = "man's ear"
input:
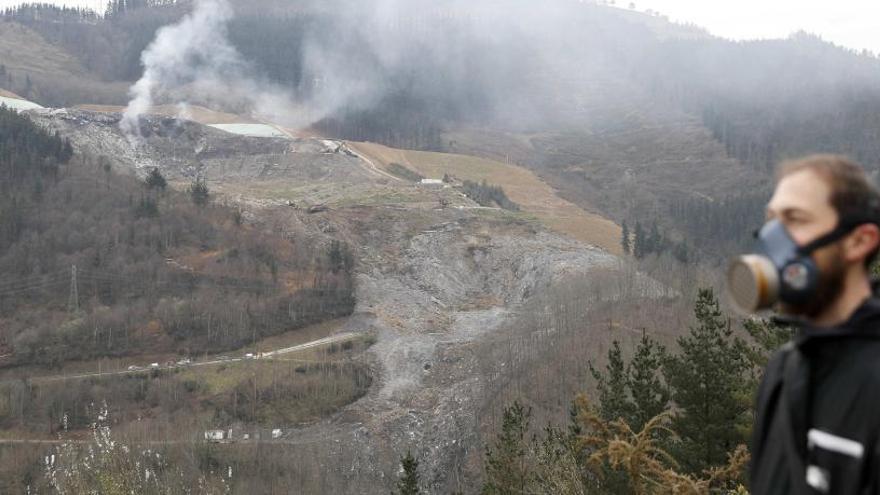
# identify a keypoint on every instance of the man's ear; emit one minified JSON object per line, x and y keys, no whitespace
{"x":862,"y":242}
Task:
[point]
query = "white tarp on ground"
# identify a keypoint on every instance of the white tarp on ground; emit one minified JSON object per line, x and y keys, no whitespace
{"x":18,"y":105}
{"x":254,"y":130}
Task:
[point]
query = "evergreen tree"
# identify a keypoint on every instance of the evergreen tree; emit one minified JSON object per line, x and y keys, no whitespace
{"x":624,"y":238}
{"x":155,"y":180}
{"x":768,"y":337}
{"x":507,"y":469}
{"x":707,"y":380}
{"x":199,"y":192}
{"x":634,"y":391}
{"x":650,"y":395}
{"x":339,"y":256}
{"x":638,"y":248}
{"x":680,"y":252}
{"x":146,"y":208}
{"x":612,"y":386}
{"x":408,"y":484}
{"x":655,"y":242}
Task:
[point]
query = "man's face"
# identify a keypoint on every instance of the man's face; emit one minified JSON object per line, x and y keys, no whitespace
{"x":802,"y":202}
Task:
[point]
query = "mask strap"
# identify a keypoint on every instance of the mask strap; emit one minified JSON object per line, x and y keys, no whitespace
{"x":842,"y":230}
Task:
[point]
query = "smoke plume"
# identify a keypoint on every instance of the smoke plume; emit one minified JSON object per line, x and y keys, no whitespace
{"x":193,"y":61}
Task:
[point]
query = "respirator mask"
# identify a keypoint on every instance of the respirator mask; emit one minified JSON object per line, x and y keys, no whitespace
{"x":780,"y":270}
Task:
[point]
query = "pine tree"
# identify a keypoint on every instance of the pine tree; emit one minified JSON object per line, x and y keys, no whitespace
{"x":680,"y":252}
{"x":707,"y":380}
{"x":507,"y":469}
{"x":199,"y":192}
{"x":624,"y":238}
{"x":155,"y":180}
{"x":638,"y":248}
{"x":408,"y":484}
{"x":612,"y":386}
{"x":650,"y":395}
{"x":654,"y":242}
{"x":768,"y":337}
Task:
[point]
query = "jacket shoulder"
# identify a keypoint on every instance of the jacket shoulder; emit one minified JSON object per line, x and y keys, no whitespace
{"x":772,"y":376}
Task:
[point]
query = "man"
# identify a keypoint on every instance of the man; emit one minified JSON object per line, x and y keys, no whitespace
{"x":818,"y":406}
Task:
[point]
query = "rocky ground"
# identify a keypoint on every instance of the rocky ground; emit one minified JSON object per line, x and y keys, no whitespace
{"x":432,"y":282}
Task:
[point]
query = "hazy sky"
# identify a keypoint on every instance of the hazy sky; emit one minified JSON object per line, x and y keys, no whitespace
{"x":851,"y":23}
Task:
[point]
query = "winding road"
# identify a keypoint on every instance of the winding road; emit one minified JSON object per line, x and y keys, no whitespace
{"x":146,"y":369}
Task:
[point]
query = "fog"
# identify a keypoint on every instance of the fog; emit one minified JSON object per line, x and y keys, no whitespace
{"x":849,"y":23}
{"x":505,"y":61}
{"x":398,"y":71}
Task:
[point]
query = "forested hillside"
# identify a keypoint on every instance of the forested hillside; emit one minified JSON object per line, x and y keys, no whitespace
{"x":98,"y":264}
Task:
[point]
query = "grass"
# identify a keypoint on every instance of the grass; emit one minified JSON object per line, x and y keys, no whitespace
{"x":524,"y":188}
{"x":22,"y":49}
{"x":54,"y":72}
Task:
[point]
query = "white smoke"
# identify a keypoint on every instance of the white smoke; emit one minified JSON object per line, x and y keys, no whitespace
{"x":193,"y":61}
{"x":515,"y":57}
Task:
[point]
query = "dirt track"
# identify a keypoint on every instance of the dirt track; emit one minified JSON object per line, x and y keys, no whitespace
{"x":146,"y":369}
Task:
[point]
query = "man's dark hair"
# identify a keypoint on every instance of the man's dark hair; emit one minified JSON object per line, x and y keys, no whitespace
{"x":853,"y":196}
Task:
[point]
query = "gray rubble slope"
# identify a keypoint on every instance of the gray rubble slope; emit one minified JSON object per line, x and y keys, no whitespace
{"x":184,"y":149}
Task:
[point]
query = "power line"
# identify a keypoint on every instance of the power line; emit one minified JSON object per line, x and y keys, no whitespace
{"x":32,"y":288}
{"x":12,"y":284}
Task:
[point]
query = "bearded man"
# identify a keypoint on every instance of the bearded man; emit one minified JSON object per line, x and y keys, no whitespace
{"x":817,"y":419}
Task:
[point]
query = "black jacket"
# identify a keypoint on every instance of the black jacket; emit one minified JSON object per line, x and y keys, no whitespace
{"x":818,"y":411}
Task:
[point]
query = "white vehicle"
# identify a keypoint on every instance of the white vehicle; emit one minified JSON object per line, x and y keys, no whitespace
{"x":154,"y":365}
{"x":184,"y":362}
{"x":214,"y":435}
{"x":249,"y":355}
{"x":133,"y":368}
{"x":276,"y":433}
